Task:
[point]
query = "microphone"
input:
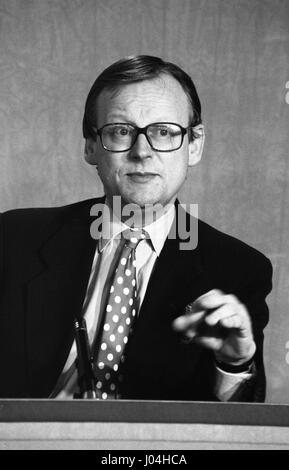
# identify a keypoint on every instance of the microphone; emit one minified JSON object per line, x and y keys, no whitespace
{"x":84,"y":360}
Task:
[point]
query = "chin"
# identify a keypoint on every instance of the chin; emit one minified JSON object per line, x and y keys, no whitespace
{"x":141,"y":201}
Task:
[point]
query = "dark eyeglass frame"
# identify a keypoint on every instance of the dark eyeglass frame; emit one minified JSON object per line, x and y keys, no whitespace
{"x":141,"y":130}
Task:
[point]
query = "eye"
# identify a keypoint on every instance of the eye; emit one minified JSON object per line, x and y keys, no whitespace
{"x":121,"y":130}
{"x":159,"y":131}
{"x":163,"y":132}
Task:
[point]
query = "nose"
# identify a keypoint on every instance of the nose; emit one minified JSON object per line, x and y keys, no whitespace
{"x":141,"y":148}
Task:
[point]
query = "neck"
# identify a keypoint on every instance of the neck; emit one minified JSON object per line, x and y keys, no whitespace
{"x":135,"y":215}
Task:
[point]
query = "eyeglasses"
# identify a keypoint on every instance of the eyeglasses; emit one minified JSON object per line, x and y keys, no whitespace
{"x":162,"y":136}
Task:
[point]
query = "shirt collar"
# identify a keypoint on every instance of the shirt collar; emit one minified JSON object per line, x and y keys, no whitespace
{"x":158,"y":231}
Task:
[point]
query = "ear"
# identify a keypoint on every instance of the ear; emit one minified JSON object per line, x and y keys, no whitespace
{"x":196,"y":146}
{"x":90,"y":151}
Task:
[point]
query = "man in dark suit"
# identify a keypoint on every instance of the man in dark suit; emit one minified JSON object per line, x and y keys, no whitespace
{"x":200,"y":312}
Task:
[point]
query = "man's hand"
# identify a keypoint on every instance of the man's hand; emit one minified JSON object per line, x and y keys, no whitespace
{"x":221,"y":323}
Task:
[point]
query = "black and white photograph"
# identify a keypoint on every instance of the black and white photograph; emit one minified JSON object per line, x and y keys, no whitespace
{"x":144,"y":221}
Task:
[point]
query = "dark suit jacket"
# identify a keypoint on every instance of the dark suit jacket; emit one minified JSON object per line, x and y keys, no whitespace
{"x":45,"y":262}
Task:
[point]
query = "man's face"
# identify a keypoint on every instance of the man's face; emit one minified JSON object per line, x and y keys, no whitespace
{"x":143,"y":175}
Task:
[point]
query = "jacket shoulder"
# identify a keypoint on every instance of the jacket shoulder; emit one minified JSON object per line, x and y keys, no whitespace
{"x":45,"y":212}
{"x":227,"y":249}
{"x":29,"y":223}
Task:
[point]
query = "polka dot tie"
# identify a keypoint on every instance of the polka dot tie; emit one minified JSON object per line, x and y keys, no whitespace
{"x":119,"y":318}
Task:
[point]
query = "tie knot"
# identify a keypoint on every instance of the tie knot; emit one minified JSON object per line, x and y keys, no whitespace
{"x":133,"y":236}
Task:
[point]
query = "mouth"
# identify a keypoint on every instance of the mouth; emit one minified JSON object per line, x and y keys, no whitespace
{"x":141,"y":177}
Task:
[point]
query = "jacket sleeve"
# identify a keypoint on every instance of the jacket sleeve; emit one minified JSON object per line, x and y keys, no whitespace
{"x":253,"y":295}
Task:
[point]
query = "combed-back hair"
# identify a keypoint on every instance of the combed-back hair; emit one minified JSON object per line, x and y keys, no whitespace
{"x":135,"y":69}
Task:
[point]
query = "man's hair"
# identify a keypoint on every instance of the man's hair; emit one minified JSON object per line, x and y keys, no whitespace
{"x":136,"y":69}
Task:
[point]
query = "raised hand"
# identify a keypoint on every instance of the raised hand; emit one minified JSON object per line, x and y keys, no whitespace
{"x":221,"y":323}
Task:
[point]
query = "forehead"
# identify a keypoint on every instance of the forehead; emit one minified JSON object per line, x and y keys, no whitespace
{"x":161,"y":98}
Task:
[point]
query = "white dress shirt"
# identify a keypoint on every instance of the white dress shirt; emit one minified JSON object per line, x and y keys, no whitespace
{"x":103,"y":267}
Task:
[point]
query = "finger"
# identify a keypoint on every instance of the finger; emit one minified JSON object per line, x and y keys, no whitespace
{"x":215,"y":299}
{"x":208,"y":297}
{"x":186,"y":322}
{"x":231,"y":322}
{"x":212,"y":343}
{"x":220,"y":313}
{"x":210,"y":293}
{"x":230,"y":316}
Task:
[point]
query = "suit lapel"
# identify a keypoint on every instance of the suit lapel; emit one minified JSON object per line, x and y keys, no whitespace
{"x":178,"y":274}
{"x":178,"y":278}
{"x":56,"y":288}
